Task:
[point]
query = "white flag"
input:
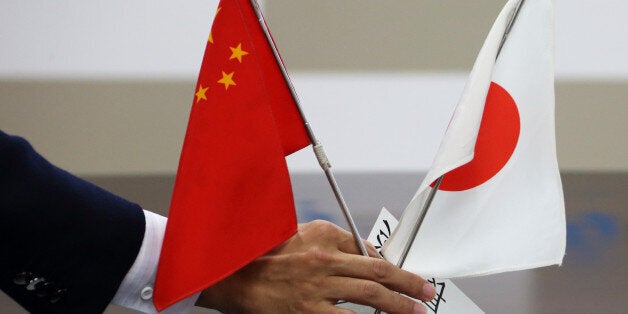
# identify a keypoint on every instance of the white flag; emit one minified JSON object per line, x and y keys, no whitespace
{"x":500,"y":206}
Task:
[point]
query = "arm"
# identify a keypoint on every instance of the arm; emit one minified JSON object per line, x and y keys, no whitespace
{"x":83,"y":240}
{"x":66,"y":244}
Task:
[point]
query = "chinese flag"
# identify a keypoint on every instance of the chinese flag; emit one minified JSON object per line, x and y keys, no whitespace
{"x":232,"y":200}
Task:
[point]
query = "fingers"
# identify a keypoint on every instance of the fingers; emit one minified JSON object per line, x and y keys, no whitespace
{"x":329,"y":308}
{"x":385,"y":273}
{"x":373,"y":294}
{"x":322,"y":231}
{"x":324,"y":257}
{"x":343,"y":239}
{"x":353,"y":265}
{"x":371,"y":249}
{"x":348,"y":245}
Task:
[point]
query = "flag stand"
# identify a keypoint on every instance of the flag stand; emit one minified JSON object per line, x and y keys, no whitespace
{"x":319,"y":151}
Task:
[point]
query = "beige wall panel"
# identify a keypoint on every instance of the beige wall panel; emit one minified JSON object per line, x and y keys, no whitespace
{"x":138,"y":127}
{"x":368,"y":35}
{"x":592,"y":125}
{"x":100,"y":127}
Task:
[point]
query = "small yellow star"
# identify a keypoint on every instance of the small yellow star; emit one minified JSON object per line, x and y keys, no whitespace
{"x":227,"y":79}
{"x":200,"y":94}
{"x":237,"y":52}
{"x":211,"y":38}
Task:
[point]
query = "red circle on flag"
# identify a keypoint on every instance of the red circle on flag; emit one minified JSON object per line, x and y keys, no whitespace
{"x":497,"y":139}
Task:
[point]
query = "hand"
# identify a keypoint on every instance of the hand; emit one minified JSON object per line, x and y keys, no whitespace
{"x":311,"y":271}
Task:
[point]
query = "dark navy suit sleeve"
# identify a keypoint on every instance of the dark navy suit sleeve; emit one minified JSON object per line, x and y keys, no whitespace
{"x":65,"y":244}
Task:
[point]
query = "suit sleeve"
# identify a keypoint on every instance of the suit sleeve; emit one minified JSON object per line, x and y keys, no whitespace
{"x":65,"y":244}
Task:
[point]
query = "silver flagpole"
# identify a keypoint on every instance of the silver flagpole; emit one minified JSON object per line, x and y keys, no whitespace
{"x":323,"y":161}
{"x":430,"y":197}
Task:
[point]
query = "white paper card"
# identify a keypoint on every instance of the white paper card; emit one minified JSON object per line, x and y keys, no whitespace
{"x":449,"y":299}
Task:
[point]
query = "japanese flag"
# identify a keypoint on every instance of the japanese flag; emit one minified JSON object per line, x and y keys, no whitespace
{"x":500,"y":205}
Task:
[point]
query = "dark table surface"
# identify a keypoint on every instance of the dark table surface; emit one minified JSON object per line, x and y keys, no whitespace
{"x":592,"y":279}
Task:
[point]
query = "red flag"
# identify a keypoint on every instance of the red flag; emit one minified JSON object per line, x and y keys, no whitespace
{"x":232,"y":199}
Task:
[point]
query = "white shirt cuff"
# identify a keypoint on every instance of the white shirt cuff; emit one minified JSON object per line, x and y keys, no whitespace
{"x":136,"y":290}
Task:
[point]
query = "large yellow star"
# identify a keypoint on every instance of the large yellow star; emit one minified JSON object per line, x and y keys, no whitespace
{"x":227,"y":79}
{"x":200,"y":94}
{"x":237,"y":52}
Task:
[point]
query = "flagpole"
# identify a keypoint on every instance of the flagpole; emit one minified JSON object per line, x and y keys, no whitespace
{"x":319,"y":151}
{"x":509,"y":27}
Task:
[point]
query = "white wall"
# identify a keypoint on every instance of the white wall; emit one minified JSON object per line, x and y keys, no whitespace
{"x":165,"y":39}
{"x":591,"y":39}
{"x":114,"y":38}
{"x":376,"y":122}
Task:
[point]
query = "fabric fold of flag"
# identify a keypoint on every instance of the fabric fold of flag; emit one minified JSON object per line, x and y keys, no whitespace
{"x":500,"y":205}
{"x":232,"y":200}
